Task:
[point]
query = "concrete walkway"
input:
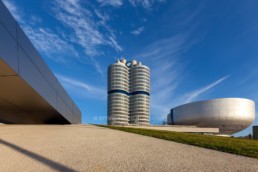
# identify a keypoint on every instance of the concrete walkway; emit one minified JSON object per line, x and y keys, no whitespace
{"x":90,"y":148}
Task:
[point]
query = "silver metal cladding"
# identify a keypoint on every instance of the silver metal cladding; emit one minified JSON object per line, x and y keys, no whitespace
{"x":230,"y":115}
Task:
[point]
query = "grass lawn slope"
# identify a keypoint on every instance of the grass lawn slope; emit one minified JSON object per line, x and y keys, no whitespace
{"x":238,"y":146}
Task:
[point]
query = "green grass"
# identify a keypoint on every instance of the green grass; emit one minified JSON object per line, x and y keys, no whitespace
{"x":245,"y":147}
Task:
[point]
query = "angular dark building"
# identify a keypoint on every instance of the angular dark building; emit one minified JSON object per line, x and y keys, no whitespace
{"x":255,"y":132}
{"x":29,"y":92}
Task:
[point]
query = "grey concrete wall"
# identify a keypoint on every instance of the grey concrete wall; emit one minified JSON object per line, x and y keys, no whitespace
{"x":20,"y":55}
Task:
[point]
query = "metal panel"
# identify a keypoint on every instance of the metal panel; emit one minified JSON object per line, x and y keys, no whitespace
{"x":63,"y":109}
{"x":7,"y":20}
{"x":35,"y":57}
{"x":62,"y":93}
{"x":8,"y":48}
{"x":5,"y":70}
{"x":76,"y":114}
{"x":19,"y":103}
{"x":35,"y":79}
{"x":42,"y":67}
{"x":20,"y":60}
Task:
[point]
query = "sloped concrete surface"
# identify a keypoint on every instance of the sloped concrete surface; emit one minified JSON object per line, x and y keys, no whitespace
{"x":90,"y":148}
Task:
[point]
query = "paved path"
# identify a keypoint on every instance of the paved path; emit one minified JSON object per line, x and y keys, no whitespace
{"x":90,"y":148}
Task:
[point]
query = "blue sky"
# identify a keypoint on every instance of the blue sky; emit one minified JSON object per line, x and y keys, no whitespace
{"x":196,"y":50}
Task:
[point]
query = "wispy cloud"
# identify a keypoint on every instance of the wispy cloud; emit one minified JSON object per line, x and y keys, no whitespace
{"x":97,"y":66}
{"x":168,"y":47}
{"x":163,"y":58}
{"x":168,"y":70}
{"x":54,"y":46}
{"x":114,"y":3}
{"x":82,"y":88}
{"x":113,"y":42}
{"x":163,"y":88}
{"x":193,"y":95}
{"x":86,"y":27}
{"x":102,"y":16}
{"x":50,"y":43}
{"x":137,"y":31}
{"x":85,"y":30}
{"x":17,"y":13}
{"x":147,"y":4}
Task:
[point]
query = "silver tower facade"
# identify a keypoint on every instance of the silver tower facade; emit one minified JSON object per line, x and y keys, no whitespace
{"x":128,"y":93}
{"x":118,"y":97}
{"x":139,"y":101}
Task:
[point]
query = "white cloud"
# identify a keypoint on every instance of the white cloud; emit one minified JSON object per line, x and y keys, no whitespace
{"x":84,"y":24}
{"x":86,"y":30}
{"x":193,"y":95}
{"x":164,"y":100}
{"x":50,"y":43}
{"x":104,"y":17}
{"x":97,"y":66}
{"x":137,"y":31}
{"x":44,"y":39}
{"x":147,"y":4}
{"x":167,"y":48}
{"x":164,"y":82}
{"x":112,"y":39}
{"x":113,"y":42}
{"x":78,"y":19}
{"x":114,"y":3}
{"x":167,"y":71}
{"x":163,"y":58}
{"x":82,"y":88}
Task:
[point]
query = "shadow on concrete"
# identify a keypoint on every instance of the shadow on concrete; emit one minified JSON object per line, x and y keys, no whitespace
{"x":52,"y":164}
